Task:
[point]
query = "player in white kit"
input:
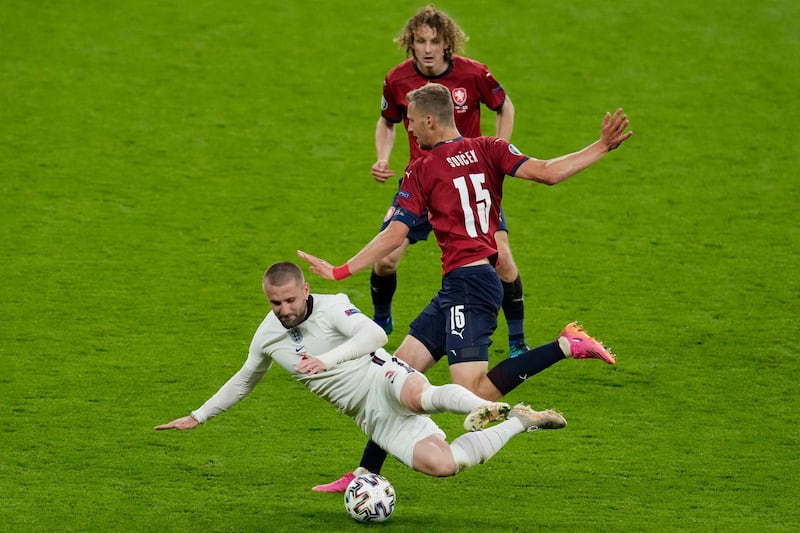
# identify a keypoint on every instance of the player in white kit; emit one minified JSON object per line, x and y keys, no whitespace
{"x":326,"y":343}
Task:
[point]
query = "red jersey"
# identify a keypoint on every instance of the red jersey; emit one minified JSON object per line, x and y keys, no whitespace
{"x":470,"y":84}
{"x":460,"y":183}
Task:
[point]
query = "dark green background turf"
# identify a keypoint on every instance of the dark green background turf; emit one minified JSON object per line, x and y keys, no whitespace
{"x":155,"y":157}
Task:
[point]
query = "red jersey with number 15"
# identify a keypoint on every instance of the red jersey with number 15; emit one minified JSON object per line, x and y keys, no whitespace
{"x":460,"y":183}
{"x":470,"y":84}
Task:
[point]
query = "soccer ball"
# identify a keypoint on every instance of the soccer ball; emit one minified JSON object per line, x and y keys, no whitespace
{"x":369,"y":498}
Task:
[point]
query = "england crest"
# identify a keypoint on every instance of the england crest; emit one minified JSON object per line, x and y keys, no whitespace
{"x":296,"y":336}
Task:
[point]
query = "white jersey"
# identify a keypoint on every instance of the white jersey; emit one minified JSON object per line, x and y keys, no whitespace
{"x":362,"y":380}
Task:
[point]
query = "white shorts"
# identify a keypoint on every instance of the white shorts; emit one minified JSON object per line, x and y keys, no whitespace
{"x":385,"y":420}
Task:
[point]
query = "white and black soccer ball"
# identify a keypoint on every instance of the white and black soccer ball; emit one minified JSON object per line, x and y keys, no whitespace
{"x":369,"y":498}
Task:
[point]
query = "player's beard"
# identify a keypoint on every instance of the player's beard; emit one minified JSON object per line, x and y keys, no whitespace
{"x":292,"y":320}
{"x":289,"y":321}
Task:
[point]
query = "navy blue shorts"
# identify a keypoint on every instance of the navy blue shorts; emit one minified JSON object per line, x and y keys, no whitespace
{"x":462,"y":317}
{"x":422,"y":226}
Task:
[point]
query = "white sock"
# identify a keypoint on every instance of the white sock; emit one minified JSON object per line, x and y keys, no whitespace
{"x":563,"y":343}
{"x":450,"y":398}
{"x":475,"y":448}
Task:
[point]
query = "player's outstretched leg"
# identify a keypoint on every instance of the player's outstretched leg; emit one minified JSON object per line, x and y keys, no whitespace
{"x":477,"y":447}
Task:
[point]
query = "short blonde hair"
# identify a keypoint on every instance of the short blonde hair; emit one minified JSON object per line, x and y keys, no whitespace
{"x":283,"y":272}
{"x":433,"y":99}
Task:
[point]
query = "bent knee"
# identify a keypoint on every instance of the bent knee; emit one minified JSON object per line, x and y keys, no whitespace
{"x":506,"y":267}
{"x":442,"y":466}
{"x":385,"y":266}
{"x":411,"y":393}
{"x":433,"y":456}
{"x":443,"y":470}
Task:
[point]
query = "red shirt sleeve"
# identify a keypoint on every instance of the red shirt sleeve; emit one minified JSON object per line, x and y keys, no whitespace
{"x":492,"y":93}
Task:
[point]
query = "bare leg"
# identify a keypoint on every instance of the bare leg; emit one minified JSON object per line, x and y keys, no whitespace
{"x":415,"y":354}
{"x":388,"y":265}
{"x":506,"y":269}
{"x":432,"y":455}
{"x":472,"y":375}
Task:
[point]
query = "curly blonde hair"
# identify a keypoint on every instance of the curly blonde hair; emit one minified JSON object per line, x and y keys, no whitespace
{"x":441,"y":23}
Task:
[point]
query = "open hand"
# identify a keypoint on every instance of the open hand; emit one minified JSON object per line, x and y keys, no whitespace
{"x":318,"y":266}
{"x":613,"y":130}
{"x":186,"y":422}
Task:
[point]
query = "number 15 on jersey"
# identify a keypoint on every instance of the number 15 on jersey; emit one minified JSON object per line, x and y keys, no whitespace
{"x":483,"y":203}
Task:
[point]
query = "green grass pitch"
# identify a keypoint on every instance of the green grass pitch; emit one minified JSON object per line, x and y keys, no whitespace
{"x":155,"y":157}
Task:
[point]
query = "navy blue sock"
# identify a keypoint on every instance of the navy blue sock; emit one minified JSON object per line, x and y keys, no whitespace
{"x":514,"y":310}
{"x":508,"y":374}
{"x":373,"y":457}
{"x":382,"y":289}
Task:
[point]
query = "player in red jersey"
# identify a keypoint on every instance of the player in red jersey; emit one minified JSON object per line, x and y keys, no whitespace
{"x":432,"y":40}
{"x":460,"y":182}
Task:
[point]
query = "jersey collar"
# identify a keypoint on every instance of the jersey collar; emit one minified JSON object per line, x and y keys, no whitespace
{"x":447,"y":71}
{"x":309,"y":309}
{"x":460,"y":137}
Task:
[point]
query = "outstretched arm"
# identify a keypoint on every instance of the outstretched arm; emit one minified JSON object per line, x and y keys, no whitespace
{"x":382,"y":245}
{"x":236,"y":388}
{"x":553,"y":171}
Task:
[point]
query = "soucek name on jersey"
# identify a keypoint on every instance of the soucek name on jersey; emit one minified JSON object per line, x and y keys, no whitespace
{"x":460,"y":183}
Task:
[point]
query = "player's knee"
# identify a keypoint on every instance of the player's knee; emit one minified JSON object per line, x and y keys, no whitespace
{"x":506,"y":267}
{"x":434,"y":458}
{"x":385,"y":266}
{"x":487,"y":390}
{"x":411,"y":393}
{"x":445,"y":464}
{"x":507,"y":271}
{"x":444,"y":468}
{"x":471,"y":378}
